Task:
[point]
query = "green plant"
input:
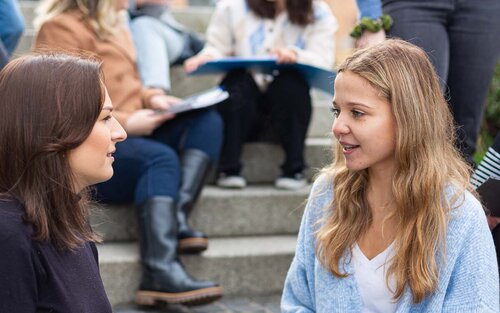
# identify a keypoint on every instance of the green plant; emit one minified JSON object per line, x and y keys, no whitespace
{"x":492,"y":114}
{"x":491,"y":124}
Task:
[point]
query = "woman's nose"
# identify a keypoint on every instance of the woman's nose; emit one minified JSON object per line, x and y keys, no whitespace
{"x":340,"y":126}
{"x":118,"y":133}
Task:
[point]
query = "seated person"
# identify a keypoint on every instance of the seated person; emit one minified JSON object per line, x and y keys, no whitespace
{"x":160,"y":41}
{"x":162,"y":165}
{"x":262,"y":107}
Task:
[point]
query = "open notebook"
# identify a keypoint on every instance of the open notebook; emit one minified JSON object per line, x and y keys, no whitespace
{"x":200,"y":100}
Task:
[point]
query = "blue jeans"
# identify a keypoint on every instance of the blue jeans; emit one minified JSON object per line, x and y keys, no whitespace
{"x":11,"y":24}
{"x":158,"y":46}
{"x":462,"y":39}
{"x":145,"y":167}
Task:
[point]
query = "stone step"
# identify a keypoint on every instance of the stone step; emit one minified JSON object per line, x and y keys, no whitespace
{"x":257,"y":210}
{"x":243,"y":266}
{"x":262,"y":164}
{"x":261,"y":161}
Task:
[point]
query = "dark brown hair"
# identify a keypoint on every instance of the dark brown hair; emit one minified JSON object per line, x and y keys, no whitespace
{"x":300,"y":12}
{"x":49,"y":105}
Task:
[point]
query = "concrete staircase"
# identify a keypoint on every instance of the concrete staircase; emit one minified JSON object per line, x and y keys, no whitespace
{"x":252,"y":231}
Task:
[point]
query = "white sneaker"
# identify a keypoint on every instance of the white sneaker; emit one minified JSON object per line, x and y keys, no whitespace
{"x":291,"y":183}
{"x":233,"y":182}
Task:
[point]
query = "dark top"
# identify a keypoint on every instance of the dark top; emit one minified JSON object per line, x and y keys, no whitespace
{"x":37,"y":277}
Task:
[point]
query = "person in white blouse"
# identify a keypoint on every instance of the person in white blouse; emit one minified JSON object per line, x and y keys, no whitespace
{"x":267,"y":107}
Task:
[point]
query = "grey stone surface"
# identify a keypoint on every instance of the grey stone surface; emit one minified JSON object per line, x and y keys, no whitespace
{"x":254,"y":211}
{"x":247,"y":266}
{"x":196,"y":18}
{"x":255,"y":304}
{"x":261,"y":161}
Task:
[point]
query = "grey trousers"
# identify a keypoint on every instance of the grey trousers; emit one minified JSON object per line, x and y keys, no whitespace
{"x":462,"y":39}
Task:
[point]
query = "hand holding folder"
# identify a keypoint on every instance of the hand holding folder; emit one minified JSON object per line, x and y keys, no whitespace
{"x":201,"y":100}
{"x":315,"y":76}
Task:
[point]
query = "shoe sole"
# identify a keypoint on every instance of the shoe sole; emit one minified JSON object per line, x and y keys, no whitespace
{"x":232,"y":186}
{"x":192,"y":245}
{"x":195,"y":297}
{"x":288,"y":187}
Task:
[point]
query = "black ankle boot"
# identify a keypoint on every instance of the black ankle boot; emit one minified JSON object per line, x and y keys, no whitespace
{"x":195,"y":167}
{"x":164,"y":278}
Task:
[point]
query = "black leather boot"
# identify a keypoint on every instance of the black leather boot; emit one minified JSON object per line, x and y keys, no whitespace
{"x":195,"y":167}
{"x":164,"y":278}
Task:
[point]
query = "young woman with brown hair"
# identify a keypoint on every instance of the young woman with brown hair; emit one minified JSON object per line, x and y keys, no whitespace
{"x":390,"y":225}
{"x":57,"y":137}
{"x":162,"y":166}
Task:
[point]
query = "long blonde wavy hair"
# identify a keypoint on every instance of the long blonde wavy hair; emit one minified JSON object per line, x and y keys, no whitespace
{"x":427,"y":167}
{"x":100,"y":14}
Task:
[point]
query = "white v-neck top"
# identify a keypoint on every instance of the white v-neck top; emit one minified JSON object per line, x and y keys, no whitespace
{"x":370,"y":276}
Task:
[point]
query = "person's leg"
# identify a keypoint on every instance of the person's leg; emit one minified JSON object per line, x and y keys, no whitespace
{"x":143,"y":168}
{"x":238,"y":114}
{"x":147,"y":172}
{"x":474,"y":32}
{"x":489,"y":165}
{"x":157,"y":47}
{"x":290,"y":102}
{"x":423,"y":23}
{"x":11,"y":24}
{"x":197,"y":136}
{"x":194,"y":130}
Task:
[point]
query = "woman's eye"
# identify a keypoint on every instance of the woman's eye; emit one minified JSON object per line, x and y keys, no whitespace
{"x":107,"y":118}
{"x":357,"y":113}
{"x":335,"y":112}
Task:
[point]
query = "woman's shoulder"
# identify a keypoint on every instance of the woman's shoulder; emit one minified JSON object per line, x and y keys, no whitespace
{"x":465,"y":206}
{"x":68,"y":16}
{"x":69,"y":20}
{"x":320,"y":196}
{"x":466,"y":218}
{"x":321,"y":10}
{"x":12,"y":226}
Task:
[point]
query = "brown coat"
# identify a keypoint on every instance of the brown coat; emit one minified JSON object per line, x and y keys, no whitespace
{"x":69,"y":32}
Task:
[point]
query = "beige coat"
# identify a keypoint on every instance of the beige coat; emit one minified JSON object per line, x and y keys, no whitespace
{"x":69,"y":32}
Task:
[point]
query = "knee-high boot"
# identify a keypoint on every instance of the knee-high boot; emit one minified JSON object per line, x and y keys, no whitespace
{"x":195,"y":167}
{"x":164,"y":278}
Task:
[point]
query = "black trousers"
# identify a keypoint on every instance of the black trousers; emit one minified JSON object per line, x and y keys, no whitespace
{"x":462,"y":39}
{"x":281,"y":115}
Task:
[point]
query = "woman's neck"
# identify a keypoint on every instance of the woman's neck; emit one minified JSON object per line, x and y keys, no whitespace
{"x":379,"y":194}
{"x":280,"y":6}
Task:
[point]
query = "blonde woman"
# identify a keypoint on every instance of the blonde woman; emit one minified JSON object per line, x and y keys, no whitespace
{"x":161,"y":166}
{"x":390,"y":225}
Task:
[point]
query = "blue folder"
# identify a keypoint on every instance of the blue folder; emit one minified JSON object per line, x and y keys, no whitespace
{"x":316,"y":77}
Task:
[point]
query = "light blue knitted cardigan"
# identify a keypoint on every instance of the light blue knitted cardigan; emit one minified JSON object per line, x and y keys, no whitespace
{"x":468,"y":277}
